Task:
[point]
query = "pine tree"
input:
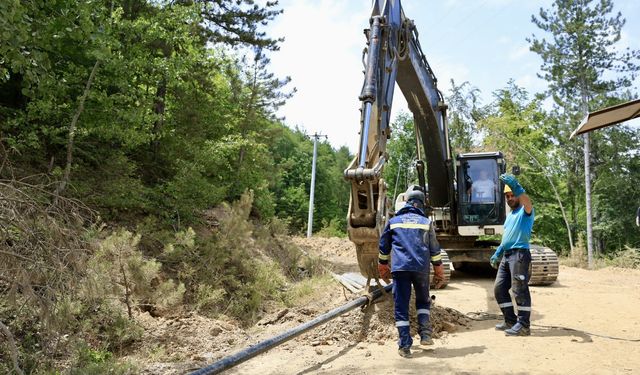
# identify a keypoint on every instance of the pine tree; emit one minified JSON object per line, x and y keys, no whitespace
{"x":583,"y":67}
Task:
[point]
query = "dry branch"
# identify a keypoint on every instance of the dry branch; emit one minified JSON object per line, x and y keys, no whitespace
{"x":12,"y":347}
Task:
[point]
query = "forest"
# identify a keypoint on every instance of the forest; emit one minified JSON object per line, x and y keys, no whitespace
{"x":143,"y":166}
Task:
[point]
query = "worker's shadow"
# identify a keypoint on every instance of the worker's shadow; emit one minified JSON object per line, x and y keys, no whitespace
{"x":447,"y":352}
{"x":582,"y":337}
{"x":364,"y":331}
{"x":317,"y":366}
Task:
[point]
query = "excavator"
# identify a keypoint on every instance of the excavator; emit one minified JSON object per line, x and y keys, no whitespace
{"x":464,"y":196}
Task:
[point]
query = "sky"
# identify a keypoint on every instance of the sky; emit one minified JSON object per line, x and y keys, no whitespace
{"x":479,"y":41}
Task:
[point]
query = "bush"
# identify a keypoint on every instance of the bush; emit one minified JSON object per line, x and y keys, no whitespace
{"x":225,"y":273}
{"x":627,"y":258}
{"x":95,"y":361}
{"x":118,"y":269}
{"x":240,"y":266}
{"x":332,"y":228}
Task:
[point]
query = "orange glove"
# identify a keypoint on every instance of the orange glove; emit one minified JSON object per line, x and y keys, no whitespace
{"x":385,"y":272}
{"x":438,"y":276}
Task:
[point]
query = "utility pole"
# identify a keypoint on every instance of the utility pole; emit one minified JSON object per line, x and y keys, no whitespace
{"x":587,"y":179}
{"x":313,"y":182}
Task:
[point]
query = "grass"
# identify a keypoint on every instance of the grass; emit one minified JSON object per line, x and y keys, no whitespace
{"x":627,"y":258}
{"x":302,"y":292}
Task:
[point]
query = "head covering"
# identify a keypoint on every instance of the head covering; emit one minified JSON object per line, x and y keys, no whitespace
{"x":415,"y":196}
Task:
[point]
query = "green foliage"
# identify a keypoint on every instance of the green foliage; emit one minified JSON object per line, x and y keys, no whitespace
{"x":174,"y":123}
{"x":626,"y":258}
{"x":95,"y":361}
{"x":293,"y":153}
{"x":519,"y":127}
{"x":332,"y":228}
{"x":240,"y":266}
{"x":400,"y":170}
{"x":180,"y":117}
{"x":464,"y":111}
{"x":243,"y":264}
{"x":582,"y":50}
{"x":303,"y":292}
{"x":119,"y":269}
{"x":586,"y":71}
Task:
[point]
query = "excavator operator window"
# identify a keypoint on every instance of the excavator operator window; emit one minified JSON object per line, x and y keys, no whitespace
{"x":479,"y":191}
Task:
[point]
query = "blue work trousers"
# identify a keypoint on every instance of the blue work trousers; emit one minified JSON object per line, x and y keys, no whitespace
{"x":513,"y":273}
{"x":402,"y":282}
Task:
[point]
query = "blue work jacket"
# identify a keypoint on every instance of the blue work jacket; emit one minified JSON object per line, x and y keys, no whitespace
{"x":410,"y":241}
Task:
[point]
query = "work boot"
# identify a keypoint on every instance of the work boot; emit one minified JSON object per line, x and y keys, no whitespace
{"x":503,"y":326}
{"x":404,"y":352}
{"x":425,"y":340}
{"x":518,"y":330}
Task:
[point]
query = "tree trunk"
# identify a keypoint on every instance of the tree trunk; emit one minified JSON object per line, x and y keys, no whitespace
{"x":587,"y":172}
{"x":127,"y":288}
{"x":159,"y":109}
{"x":72,"y":130}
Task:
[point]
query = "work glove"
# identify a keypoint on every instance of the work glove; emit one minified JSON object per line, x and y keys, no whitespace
{"x":495,"y":261}
{"x":385,"y":272}
{"x":511,"y":181}
{"x":495,"y":258}
{"x":438,"y":276}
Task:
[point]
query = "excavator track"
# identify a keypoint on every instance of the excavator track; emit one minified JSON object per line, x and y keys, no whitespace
{"x":544,"y":266}
{"x":447,"y":269}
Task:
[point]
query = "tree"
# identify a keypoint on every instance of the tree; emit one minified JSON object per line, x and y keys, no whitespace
{"x":577,"y":63}
{"x":236,"y":22}
{"x":464,"y":112}
{"x":518,"y":126}
{"x":400,"y":171}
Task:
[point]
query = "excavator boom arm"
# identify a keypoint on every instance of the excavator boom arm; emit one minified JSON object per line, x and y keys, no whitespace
{"x":393,"y":55}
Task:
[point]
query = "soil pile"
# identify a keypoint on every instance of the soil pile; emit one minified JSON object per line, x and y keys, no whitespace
{"x":182,"y":341}
{"x":376,"y":324}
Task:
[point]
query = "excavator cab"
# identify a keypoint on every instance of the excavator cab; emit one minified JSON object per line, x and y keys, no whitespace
{"x":481,"y":204}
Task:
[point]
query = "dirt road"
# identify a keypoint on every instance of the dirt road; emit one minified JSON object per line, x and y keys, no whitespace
{"x":603,"y":302}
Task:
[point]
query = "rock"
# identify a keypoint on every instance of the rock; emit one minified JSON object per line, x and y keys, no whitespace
{"x":225,"y":326}
{"x":204,"y":357}
{"x":281,"y":314}
{"x":315,"y":343}
{"x":449,"y":327}
{"x":367,"y":354}
{"x":318,"y":351}
{"x":215,"y":331}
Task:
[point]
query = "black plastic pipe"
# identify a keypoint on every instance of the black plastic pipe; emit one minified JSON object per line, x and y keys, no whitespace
{"x":261,"y":347}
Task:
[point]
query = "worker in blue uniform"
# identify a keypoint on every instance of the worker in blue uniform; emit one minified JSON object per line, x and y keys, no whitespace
{"x":409,"y":242}
{"x":513,"y":269}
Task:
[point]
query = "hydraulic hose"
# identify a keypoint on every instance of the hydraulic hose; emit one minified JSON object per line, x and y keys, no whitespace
{"x":261,"y":347}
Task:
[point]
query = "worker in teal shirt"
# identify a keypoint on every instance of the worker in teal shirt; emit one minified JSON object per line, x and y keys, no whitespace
{"x":513,"y":269}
